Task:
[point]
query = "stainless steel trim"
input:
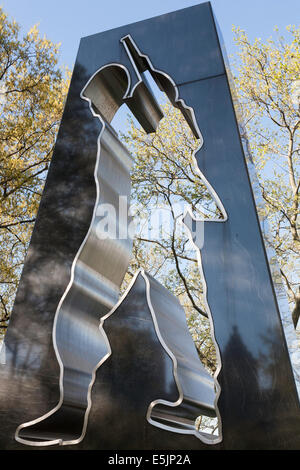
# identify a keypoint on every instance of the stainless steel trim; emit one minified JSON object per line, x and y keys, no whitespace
{"x":104,"y":261}
{"x":188,"y":214}
{"x":119,"y":255}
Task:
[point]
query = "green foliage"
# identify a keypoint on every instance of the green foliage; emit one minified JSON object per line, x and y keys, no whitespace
{"x":268,"y":88}
{"x":165,"y":181}
{"x":32,"y":91}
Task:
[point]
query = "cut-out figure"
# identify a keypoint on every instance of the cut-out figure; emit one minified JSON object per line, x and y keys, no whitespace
{"x":97,"y":273}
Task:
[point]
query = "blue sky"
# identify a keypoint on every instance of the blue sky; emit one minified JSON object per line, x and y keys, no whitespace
{"x":66,"y":21}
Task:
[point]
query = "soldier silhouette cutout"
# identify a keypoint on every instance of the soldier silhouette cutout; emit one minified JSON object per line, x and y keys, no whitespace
{"x":149,"y":371}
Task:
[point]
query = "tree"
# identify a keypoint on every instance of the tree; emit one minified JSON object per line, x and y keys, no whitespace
{"x":164,"y":182}
{"x":32,"y":91}
{"x":268,"y":88}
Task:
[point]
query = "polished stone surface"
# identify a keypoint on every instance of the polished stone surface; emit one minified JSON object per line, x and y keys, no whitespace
{"x":152,"y":375}
{"x":292,"y":338}
{"x":258,"y":404}
{"x":256,"y":371}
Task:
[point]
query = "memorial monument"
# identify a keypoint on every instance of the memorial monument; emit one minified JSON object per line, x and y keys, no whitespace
{"x":88,"y":369}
